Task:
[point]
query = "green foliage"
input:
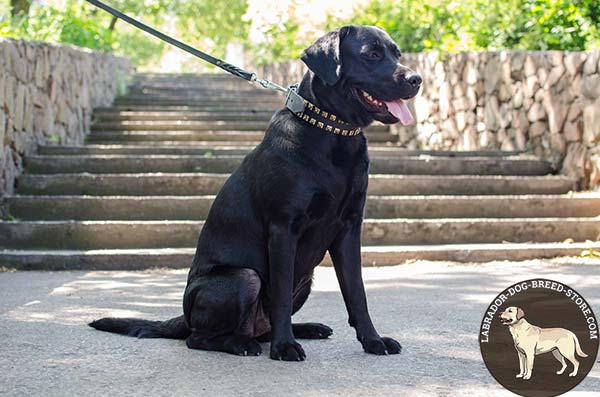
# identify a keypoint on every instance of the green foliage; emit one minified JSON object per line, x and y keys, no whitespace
{"x":281,"y":44}
{"x":210,"y":24}
{"x":417,"y":25}
{"x":414,"y":25}
{"x":456,"y":25}
{"x":533,"y":25}
{"x":70,"y":25}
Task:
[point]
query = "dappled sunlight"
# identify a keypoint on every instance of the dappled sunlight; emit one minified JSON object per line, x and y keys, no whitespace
{"x":140,"y":294}
{"x":151,"y":304}
{"x":67,"y":315}
{"x":433,"y":309}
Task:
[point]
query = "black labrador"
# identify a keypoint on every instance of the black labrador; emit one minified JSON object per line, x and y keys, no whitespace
{"x":300,"y":193}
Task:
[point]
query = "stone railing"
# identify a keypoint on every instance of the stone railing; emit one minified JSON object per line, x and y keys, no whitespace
{"x":47,"y":93}
{"x":547,"y":103}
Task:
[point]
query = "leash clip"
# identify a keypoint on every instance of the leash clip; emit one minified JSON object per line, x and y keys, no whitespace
{"x":293,"y":101}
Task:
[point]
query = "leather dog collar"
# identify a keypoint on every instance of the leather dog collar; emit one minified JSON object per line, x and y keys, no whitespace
{"x":319,"y":118}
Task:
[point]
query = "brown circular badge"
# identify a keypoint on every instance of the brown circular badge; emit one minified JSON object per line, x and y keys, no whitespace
{"x":539,"y":338}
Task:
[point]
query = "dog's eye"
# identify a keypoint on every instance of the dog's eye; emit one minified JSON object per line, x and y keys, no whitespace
{"x":372,"y":55}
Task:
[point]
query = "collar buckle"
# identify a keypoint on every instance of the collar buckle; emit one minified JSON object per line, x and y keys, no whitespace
{"x":293,"y":101}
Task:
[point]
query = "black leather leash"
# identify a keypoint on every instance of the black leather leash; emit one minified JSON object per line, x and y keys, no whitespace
{"x":294,"y":102}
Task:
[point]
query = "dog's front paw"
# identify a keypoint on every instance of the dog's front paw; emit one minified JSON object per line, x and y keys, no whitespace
{"x":287,"y":351}
{"x":382,"y":346}
{"x":527,"y":376}
{"x":519,"y":376}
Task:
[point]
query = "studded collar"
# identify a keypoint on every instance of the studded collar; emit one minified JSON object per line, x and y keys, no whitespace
{"x":317,"y":117}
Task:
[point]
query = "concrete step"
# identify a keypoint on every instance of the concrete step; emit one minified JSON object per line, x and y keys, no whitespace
{"x":182,"y":125}
{"x":177,"y":116}
{"x":181,"y":258}
{"x":218,"y":86}
{"x":192,"y":125}
{"x":188,"y":163}
{"x":201,"y":136}
{"x":222,"y":148}
{"x":181,"y":136}
{"x":216,"y":109}
{"x":378,"y":207}
{"x":241,"y":148}
{"x":202,"y":91}
{"x":200,"y":101}
{"x":184,"y":234}
{"x":181,"y":144}
{"x":184,"y":184}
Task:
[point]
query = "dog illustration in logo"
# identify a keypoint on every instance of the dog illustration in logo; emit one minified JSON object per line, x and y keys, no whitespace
{"x":531,"y":341}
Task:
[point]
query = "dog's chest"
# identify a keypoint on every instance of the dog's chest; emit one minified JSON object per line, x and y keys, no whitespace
{"x":339,"y":199}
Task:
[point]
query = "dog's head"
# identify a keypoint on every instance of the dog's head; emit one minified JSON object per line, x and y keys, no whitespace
{"x":361,"y":66}
{"x":511,"y":315}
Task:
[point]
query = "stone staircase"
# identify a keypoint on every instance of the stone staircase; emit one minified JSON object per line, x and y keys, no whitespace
{"x":136,"y":194}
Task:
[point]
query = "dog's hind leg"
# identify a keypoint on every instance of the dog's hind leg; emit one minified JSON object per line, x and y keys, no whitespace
{"x":561,"y":360}
{"x":220,"y":308}
{"x":575,"y":363}
{"x":566,"y":347}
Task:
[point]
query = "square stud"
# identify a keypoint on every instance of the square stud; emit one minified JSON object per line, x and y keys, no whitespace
{"x":329,"y":128}
{"x":311,"y":106}
{"x":320,"y":124}
{"x":344,"y":132}
{"x":305,"y":117}
{"x":336,"y":131}
{"x":312,"y":121}
{"x":333,"y":117}
{"x":325,"y":114}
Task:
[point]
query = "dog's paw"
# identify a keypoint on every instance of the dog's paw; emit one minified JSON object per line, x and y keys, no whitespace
{"x":311,"y":331}
{"x":243,"y":346}
{"x":527,"y":377}
{"x":287,"y":351}
{"x":382,"y":346}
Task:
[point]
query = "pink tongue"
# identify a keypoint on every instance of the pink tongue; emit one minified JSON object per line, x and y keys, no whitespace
{"x":400,"y":111}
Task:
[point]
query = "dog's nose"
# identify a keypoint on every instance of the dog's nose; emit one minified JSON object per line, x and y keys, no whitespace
{"x":414,"y":79}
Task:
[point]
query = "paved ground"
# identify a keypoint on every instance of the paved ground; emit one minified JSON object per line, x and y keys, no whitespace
{"x":434,"y":309}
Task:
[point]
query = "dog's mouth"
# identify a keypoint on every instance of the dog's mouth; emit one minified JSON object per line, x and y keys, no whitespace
{"x":505,"y":321}
{"x":397,"y":107}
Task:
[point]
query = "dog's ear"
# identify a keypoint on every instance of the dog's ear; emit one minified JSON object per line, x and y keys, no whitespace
{"x":323,"y":57}
{"x":520,"y":313}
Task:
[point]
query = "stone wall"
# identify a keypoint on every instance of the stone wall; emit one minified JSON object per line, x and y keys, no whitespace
{"x":47,"y":94}
{"x":547,"y":103}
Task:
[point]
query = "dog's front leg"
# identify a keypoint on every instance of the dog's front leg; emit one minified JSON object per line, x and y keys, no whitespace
{"x":529,"y":359}
{"x":282,"y":253}
{"x":521,"y":364}
{"x":345,"y":253}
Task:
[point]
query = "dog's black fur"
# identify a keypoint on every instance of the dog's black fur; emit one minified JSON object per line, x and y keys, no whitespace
{"x":300,"y":193}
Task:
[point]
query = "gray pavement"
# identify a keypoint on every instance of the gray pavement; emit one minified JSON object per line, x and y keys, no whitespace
{"x":433,"y":308}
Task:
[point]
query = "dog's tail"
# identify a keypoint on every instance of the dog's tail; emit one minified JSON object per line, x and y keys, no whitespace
{"x":578,"y":348}
{"x":176,"y":328}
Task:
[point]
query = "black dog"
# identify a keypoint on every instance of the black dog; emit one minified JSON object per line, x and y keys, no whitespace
{"x":300,"y":193}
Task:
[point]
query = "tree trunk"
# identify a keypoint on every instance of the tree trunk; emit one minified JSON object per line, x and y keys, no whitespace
{"x":19,"y":6}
